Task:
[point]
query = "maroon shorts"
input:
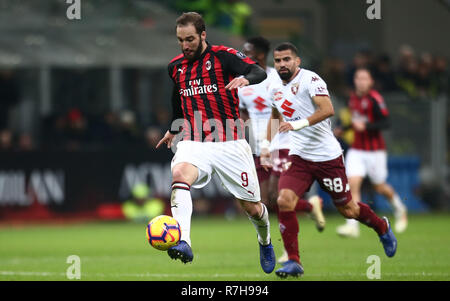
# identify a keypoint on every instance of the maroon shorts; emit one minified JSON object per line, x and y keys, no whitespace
{"x":329,"y":174}
{"x":263,"y":175}
{"x":280,"y":162}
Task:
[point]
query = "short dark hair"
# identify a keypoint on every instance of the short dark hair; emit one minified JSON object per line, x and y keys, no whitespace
{"x":287,"y":46}
{"x":192,"y":18}
{"x":260,"y":44}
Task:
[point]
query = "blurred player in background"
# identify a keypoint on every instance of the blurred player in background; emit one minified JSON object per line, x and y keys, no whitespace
{"x":255,"y":104}
{"x":315,"y":154}
{"x":142,"y":207}
{"x":367,"y":156}
{"x":205,"y":100}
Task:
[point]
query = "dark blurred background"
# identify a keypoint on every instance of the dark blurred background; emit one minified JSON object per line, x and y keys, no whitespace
{"x":84,"y":102}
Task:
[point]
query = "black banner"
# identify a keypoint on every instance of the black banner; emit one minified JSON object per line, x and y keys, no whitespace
{"x":67,"y":182}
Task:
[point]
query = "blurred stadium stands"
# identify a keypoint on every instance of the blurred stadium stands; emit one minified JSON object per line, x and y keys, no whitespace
{"x":69,"y":89}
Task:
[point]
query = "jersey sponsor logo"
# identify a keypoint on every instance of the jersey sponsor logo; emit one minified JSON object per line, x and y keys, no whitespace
{"x":208,"y":65}
{"x":194,"y":88}
{"x":181,"y":70}
{"x":259,"y":103}
{"x":278,"y":95}
{"x":314,"y":78}
{"x":286,"y":106}
{"x":294,"y":88}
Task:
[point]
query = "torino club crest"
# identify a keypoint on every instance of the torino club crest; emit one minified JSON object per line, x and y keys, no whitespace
{"x":294,"y":88}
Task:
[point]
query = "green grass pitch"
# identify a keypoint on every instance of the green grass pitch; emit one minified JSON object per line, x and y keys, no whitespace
{"x":223,"y":250}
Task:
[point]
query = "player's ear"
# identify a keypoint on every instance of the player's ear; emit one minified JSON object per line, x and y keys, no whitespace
{"x":203,"y":36}
{"x":261,"y":57}
{"x":298,"y":61}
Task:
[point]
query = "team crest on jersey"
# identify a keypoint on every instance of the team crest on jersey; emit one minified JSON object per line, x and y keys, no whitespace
{"x":208,"y":65}
{"x":278,"y":95}
{"x":294,"y":88}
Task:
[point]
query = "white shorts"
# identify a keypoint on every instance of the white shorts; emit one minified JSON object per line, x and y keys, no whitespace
{"x":367,"y":163}
{"x":232,"y":161}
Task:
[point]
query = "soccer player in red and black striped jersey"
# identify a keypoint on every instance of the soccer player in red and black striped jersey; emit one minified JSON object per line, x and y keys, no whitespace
{"x":206,"y":116}
{"x":367,"y":156}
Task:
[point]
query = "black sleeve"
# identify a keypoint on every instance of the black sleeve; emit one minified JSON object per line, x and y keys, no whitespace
{"x":255,"y":75}
{"x":381,"y":122}
{"x":237,"y":64}
{"x":176,"y":109}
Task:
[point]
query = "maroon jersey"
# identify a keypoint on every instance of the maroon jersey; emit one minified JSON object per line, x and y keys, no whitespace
{"x":211,"y":112}
{"x":371,"y":109}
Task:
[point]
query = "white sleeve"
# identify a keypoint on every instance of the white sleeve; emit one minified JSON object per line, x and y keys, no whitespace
{"x":317,"y":86}
{"x":241,"y":102}
{"x":270,"y":98}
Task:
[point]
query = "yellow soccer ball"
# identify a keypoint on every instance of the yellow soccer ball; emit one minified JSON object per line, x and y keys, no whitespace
{"x":163,"y":232}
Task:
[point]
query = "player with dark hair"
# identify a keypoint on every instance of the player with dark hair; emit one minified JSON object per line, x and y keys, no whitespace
{"x":303,"y":100}
{"x":255,"y":104}
{"x":367,"y":156}
{"x":206,"y":116}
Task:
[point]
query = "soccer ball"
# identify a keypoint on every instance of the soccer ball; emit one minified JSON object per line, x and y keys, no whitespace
{"x":163,"y":232}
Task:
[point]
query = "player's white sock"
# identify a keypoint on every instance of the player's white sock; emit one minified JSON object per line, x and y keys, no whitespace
{"x":352,"y":222}
{"x":181,"y":207}
{"x":262,"y":226}
{"x":398,"y":205}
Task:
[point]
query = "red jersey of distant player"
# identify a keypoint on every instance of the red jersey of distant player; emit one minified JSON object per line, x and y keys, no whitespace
{"x":371,"y":109}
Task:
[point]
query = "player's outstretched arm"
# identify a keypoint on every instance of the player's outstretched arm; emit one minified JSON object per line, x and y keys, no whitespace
{"x":324,"y":109}
{"x":167,"y":139}
{"x":255,"y":75}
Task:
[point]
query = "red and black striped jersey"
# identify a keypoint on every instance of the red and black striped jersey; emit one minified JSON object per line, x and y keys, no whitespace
{"x":371,"y":109}
{"x":211,"y":112}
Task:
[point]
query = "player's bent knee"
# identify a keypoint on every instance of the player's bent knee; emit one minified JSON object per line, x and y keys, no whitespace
{"x":286,"y":200}
{"x":184,"y":172}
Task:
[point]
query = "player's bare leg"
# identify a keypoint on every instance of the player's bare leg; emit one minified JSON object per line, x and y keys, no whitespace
{"x":366,"y":216}
{"x":351,"y":226}
{"x":183,"y":175}
{"x":400,"y":210}
{"x":259,"y":216}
